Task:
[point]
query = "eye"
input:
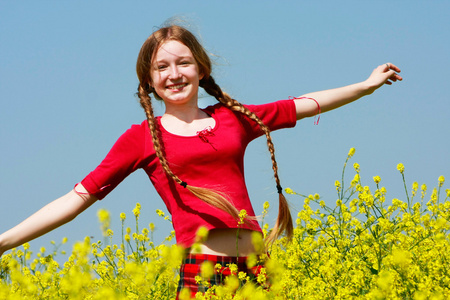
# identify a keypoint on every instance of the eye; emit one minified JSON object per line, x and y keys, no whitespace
{"x":159,"y":67}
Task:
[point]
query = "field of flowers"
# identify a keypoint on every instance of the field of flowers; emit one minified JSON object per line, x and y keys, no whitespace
{"x":363,"y":247}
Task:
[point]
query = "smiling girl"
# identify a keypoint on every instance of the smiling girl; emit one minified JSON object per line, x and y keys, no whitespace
{"x":193,"y":156}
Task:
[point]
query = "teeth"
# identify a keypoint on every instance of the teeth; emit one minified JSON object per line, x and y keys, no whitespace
{"x":178,"y":86}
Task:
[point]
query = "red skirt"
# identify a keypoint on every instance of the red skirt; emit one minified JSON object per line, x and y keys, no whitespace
{"x":191,"y":268}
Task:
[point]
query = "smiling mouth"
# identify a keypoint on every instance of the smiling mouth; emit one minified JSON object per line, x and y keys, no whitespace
{"x":177,"y":86}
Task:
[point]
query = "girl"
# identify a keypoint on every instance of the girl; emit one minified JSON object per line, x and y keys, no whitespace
{"x":193,"y":156}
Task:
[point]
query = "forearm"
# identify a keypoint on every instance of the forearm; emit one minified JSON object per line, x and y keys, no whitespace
{"x":334,"y":98}
{"x":331,"y":99}
{"x":51,"y":216}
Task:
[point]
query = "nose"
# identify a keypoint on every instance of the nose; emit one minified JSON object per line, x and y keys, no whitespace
{"x":174,"y":73}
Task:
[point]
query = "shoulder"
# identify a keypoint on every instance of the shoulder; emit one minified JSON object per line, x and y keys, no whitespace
{"x":133,"y":137}
{"x":136,"y":131}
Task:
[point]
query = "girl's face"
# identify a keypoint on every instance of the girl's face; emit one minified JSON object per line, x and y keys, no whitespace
{"x":175,"y":74}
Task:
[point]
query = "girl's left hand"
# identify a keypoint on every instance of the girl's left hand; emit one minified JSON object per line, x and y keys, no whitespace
{"x":384,"y":74}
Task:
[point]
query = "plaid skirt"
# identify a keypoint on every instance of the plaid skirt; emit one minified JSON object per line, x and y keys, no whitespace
{"x":191,"y":268}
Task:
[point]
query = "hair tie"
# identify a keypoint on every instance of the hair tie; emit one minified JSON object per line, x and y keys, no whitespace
{"x":183,"y":184}
{"x":279,"y":188}
{"x":318,"y":108}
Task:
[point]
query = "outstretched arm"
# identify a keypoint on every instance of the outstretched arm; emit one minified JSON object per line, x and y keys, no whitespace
{"x":334,"y":98}
{"x":51,"y":216}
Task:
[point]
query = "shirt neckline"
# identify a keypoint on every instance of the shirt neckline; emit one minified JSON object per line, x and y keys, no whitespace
{"x":209,"y":128}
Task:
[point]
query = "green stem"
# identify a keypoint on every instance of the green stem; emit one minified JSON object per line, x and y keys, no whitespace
{"x":341,"y":194}
{"x":406,"y":191}
{"x":122,"y":246}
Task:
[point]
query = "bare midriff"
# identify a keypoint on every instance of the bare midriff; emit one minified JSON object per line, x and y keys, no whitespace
{"x":227,"y":242}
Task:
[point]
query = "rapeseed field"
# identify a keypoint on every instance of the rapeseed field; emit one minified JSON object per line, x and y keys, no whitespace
{"x":363,"y":247}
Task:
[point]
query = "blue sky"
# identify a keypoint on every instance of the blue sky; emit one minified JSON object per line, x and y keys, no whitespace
{"x":67,"y":84}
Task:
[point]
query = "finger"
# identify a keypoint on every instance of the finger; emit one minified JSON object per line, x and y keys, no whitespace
{"x":390,"y":74}
{"x":393,"y":67}
{"x":395,"y":77}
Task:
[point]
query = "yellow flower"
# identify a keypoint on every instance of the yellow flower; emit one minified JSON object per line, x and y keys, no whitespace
{"x":207,"y":269}
{"x":289,"y":191}
{"x":242,"y":216}
{"x":232,"y":282}
{"x":104,"y":218}
{"x":307,"y":200}
{"x":423,"y":187}
{"x":262,"y":278}
{"x":198,"y":279}
{"x":233,"y":268}
{"x":103,"y":215}
{"x":218,"y":268}
{"x":202,"y":234}
{"x":377,"y":179}
{"x":401,"y":258}
{"x":385,"y":280}
{"x":185,"y":294}
{"x":351,"y":152}
{"x":137,"y":210}
{"x":441,"y":180}
{"x":401,"y":168}
{"x":123,"y":216}
{"x":415,"y":187}
{"x":257,"y":241}
{"x":355,"y":180}
{"x":242,"y":276}
{"x":337,"y":184}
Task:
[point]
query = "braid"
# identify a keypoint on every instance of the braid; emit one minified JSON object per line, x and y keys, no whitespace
{"x":148,"y":108}
{"x":284,"y":220}
{"x":212,"y":198}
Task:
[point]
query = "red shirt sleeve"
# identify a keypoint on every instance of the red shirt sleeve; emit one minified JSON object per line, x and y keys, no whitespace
{"x":275,"y":115}
{"x":125,"y":157}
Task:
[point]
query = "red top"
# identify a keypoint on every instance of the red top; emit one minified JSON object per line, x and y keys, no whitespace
{"x":214,"y":158}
